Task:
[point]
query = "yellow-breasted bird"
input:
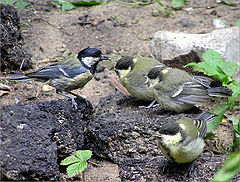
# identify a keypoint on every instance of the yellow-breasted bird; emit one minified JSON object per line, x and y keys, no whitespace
{"x":182,"y":141}
{"x":72,"y":73}
{"x":176,"y":90}
{"x":132,"y":73}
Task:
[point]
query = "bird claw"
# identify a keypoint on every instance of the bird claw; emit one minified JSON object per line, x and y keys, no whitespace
{"x":74,"y":104}
{"x":165,"y":164}
{"x":190,"y":169}
{"x":152,"y":105}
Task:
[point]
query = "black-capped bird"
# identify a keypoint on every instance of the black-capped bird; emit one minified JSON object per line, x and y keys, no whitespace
{"x":72,"y":73}
{"x":132,"y":73}
{"x":176,"y":90}
{"x":182,"y":141}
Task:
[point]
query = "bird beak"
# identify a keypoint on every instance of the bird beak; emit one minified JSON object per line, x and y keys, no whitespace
{"x":157,"y":135}
{"x":147,"y":81}
{"x":103,"y":57}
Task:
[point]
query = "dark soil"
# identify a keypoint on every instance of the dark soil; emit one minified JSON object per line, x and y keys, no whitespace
{"x":49,"y":33}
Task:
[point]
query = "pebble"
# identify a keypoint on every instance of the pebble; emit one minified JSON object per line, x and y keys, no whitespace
{"x":213,"y":12}
{"x":185,"y":22}
{"x":219,"y":23}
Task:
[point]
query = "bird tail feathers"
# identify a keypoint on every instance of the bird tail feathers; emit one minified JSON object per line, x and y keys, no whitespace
{"x":219,"y":92}
{"x":20,"y":77}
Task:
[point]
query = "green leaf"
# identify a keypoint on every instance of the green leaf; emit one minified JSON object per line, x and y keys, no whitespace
{"x":22,"y":4}
{"x":70,"y":160}
{"x":177,"y":4}
{"x":229,"y":170}
{"x":8,"y":2}
{"x":191,"y":64}
{"x":66,"y":4}
{"x":214,"y":123}
{"x":212,"y":57}
{"x":83,"y":155}
{"x":235,"y":87}
{"x":231,"y":2}
{"x":236,"y":125}
{"x":86,"y":3}
{"x":237,"y":22}
{"x":228,"y":67}
{"x":220,"y":109}
{"x":76,"y":168}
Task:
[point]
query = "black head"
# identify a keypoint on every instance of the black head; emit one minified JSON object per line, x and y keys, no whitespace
{"x":90,"y":57}
{"x":124,"y":63}
{"x":89,"y":52}
{"x":170,"y":129}
{"x":156,"y":72}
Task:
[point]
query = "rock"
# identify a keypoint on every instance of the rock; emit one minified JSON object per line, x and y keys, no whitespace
{"x":36,"y":137}
{"x":170,"y":45}
{"x":121,"y":132}
{"x":219,"y":23}
{"x":185,"y":22}
{"x":14,"y":54}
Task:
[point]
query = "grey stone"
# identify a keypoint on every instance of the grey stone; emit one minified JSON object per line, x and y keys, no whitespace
{"x":170,"y":45}
{"x":185,"y":22}
{"x":35,"y":137}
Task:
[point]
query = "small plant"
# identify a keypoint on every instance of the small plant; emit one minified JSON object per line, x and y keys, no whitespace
{"x":229,"y":170}
{"x":69,"y":5}
{"x":134,"y":2}
{"x":21,"y":4}
{"x":237,"y":22}
{"x":167,"y":12}
{"x":77,"y":163}
{"x":214,"y":65}
{"x":177,"y":4}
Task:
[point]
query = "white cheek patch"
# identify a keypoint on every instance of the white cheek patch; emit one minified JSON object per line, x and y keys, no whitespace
{"x":182,"y":126}
{"x":170,"y":140}
{"x":89,"y":61}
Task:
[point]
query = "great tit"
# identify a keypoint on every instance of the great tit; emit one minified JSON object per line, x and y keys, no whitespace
{"x":72,"y":73}
{"x":176,"y":90}
{"x":182,"y":141}
{"x":132,"y":73}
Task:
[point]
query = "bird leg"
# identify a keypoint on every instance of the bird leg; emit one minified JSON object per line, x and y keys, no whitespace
{"x":81,"y":98}
{"x":164,"y":166}
{"x":190,"y":169}
{"x":74,"y":103}
{"x":152,"y":105}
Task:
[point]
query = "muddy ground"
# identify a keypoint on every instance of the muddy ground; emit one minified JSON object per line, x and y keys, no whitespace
{"x":117,"y":30}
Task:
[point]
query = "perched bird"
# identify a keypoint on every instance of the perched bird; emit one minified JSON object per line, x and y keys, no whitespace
{"x":72,"y":73}
{"x":176,"y":90}
{"x":182,"y":141}
{"x":132,"y":73}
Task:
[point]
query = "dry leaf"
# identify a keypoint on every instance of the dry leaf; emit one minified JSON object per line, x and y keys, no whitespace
{"x":119,"y":86}
{"x":3,"y":92}
{"x":46,"y":88}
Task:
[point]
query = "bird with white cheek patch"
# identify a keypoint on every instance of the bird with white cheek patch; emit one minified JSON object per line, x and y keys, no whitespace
{"x":182,"y":141}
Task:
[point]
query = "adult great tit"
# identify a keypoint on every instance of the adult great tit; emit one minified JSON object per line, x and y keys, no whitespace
{"x":132,"y":73}
{"x":176,"y":90}
{"x":72,"y":73}
{"x":182,"y":141}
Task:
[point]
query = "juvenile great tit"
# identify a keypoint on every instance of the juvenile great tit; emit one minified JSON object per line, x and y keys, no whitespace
{"x":132,"y":73}
{"x":72,"y":73}
{"x":182,"y":141}
{"x":176,"y":90}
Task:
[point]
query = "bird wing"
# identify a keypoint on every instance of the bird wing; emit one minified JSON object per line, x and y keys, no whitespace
{"x":205,"y":81}
{"x":56,"y":71}
{"x":191,"y":93}
{"x":201,"y":126}
{"x":69,"y":67}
